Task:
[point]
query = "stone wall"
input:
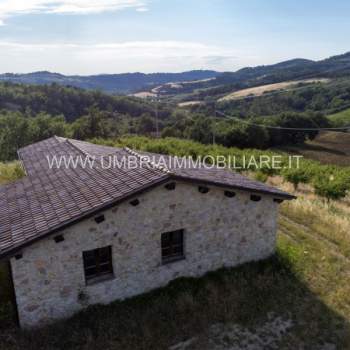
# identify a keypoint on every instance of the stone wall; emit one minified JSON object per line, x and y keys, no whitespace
{"x":219,"y":231}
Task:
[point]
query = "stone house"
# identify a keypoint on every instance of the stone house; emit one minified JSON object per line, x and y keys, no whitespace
{"x":76,"y":235}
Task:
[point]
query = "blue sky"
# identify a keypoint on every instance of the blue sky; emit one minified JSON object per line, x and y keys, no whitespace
{"x":114,"y":36}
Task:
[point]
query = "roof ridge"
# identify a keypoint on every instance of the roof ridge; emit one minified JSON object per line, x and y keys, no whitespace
{"x":79,"y":149}
{"x":145,"y":158}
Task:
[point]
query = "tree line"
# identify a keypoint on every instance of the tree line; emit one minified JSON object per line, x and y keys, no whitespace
{"x":262,"y":132}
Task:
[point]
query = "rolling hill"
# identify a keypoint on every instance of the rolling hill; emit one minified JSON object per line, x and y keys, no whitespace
{"x":249,"y":77}
{"x":336,"y":66}
{"x":269,"y":88}
{"x":112,"y":83}
{"x":202,"y":83}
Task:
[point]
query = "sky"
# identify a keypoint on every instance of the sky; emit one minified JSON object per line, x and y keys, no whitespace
{"x":116,"y":36}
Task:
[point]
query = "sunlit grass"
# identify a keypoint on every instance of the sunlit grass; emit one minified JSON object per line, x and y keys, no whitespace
{"x":10,"y":172}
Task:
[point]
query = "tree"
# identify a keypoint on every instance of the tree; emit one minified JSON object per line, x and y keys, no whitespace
{"x":201,"y":130}
{"x":330,"y":188}
{"x":295,"y":176}
{"x":145,"y":124}
{"x":44,"y":126}
{"x":14,"y":134}
{"x":95,"y":124}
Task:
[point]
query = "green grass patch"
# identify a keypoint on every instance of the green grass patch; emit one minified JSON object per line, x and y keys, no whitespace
{"x":10,"y":172}
{"x":340,"y":119}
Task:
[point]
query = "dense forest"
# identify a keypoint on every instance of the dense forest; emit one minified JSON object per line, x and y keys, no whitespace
{"x":70,"y":102}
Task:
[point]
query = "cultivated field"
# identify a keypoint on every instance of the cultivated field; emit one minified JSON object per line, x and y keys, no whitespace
{"x":189,"y":103}
{"x":260,"y":90}
{"x":154,"y":92}
{"x":328,"y":148}
{"x":144,"y":94}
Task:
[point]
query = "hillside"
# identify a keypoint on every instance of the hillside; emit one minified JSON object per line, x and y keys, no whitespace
{"x":328,"y":148}
{"x":322,"y":96}
{"x":270,"y":88}
{"x":197,"y":83}
{"x":112,"y":83}
{"x":295,"y":69}
{"x":335,"y":66}
{"x":70,"y":102}
{"x":29,"y":113}
{"x":341,"y":118}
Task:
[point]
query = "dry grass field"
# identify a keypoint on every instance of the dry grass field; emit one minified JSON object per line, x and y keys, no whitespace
{"x":260,"y":90}
{"x":190,"y":103}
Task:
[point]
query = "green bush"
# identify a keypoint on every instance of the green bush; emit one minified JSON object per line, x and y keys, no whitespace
{"x":10,"y":172}
{"x":330,"y":187}
{"x":260,"y":176}
{"x":296,"y":176}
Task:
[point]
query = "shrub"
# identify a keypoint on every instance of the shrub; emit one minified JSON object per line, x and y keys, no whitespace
{"x":296,"y":176}
{"x":330,"y":187}
{"x":260,"y":176}
{"x":10,"y":172}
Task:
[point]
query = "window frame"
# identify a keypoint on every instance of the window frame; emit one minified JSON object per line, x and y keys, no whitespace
{"x":173,"y":245}
{"x":99,"y":265}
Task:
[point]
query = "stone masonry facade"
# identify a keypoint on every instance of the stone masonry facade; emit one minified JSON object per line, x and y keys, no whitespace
{"x":218,"y":232}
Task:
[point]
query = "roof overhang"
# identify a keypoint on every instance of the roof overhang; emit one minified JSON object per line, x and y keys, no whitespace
{"x":7,"y":254}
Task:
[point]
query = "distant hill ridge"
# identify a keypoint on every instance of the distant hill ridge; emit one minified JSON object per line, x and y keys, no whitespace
{"x":288,"y":70}
{"x":113,"y":83}
{"x":127,"y":83}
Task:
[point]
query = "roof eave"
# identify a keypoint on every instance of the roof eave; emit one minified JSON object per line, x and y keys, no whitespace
{"x":283,"y":195}
{"x":11,"y":252}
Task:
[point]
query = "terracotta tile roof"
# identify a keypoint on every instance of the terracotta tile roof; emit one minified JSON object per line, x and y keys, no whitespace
{"x":47,"y":200}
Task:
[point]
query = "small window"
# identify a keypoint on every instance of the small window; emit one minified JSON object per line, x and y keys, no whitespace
{"x":172,"y":246}
{"x":58,"y":238}
{"x":135,"y":202}
{"x":203,"y":189}
{"x":98,"y":264}
{"x":229,"y":194}
{"x":255,"y":198}
{"x":170,"y":186}
{"x":100,"y":219}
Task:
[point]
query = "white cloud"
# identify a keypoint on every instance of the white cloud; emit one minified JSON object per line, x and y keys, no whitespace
{"x":142,"y":9}
{"x":10,"y":8}
{"x":145,"y":56}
